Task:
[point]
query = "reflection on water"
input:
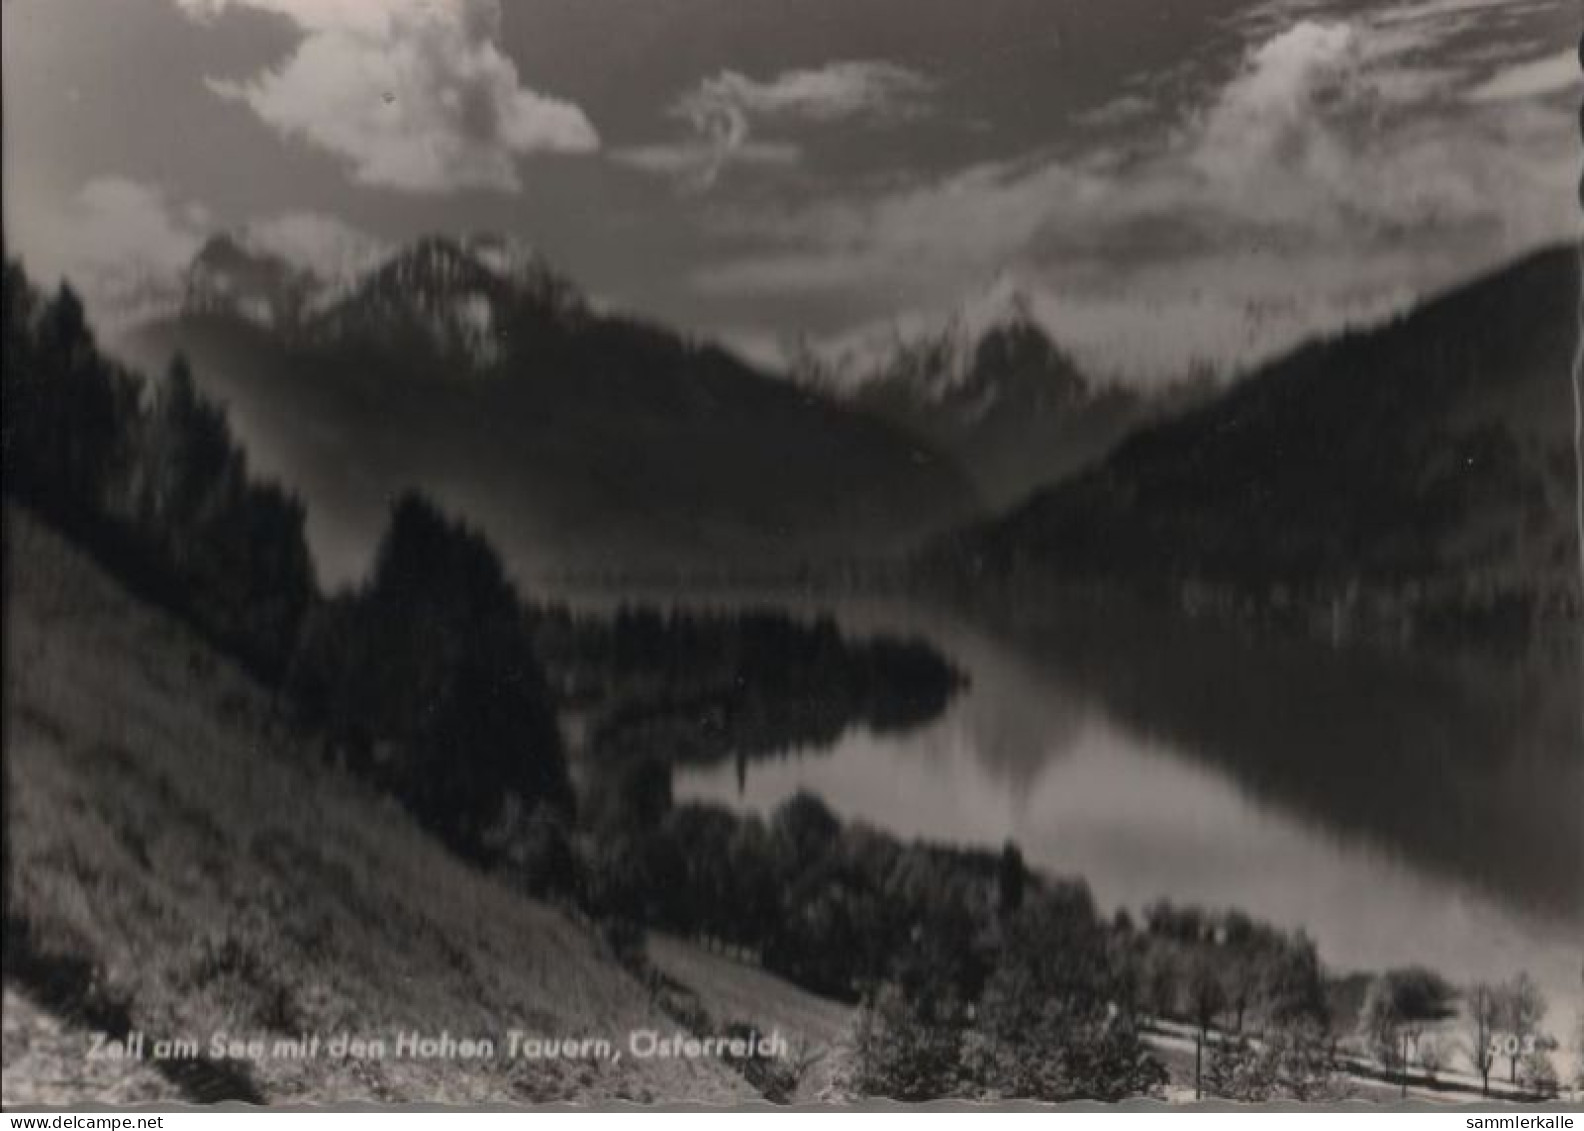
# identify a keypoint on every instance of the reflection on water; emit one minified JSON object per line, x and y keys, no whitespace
{"x":1399,"y":811}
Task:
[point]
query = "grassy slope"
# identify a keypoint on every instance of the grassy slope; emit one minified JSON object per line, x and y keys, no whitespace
{"x":214,"y":877}
{"x":41,"y":1062}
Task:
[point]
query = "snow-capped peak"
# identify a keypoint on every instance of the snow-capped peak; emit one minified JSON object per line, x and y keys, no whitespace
{"x":1004,"y":303}
{"x":316,"y":282}
{"x":231,"y":274}
{"x":458,"y":293}
{"x":524,"y":268}
{"x":510,"y":258}
{"x":936,"y":354}
{"x":278,"y":272}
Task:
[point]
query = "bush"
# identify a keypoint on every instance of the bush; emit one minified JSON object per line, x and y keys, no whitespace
{"x":773,"y":1077}
{"x":1295,"y":1062}
{"x":536,"y":850}
{"x":909,"y":1048}
{"x":1052,"y":1022}
{"x":1537,"y":1075}
{"x":1055,"y":1021}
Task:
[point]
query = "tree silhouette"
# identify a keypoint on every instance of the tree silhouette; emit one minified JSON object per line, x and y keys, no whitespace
{"x":1481,"y":1015}
{"x":1520,"y":1008}
{"x":1011,"y":879}
{"x":150,"y":481}
{"x":1398,"y":1007}
{"x":428,"y":676}
{"x":1055,"y":1013}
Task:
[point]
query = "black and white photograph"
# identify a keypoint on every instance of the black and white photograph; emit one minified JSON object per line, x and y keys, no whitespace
{"x":655,"y":554}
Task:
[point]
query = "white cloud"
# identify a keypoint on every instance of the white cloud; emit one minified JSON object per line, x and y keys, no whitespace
{"x":126,"y":245}
{"x":962,"y":226}
{"x":414,"y":94}
{"x":1267,"y":115}
{"x":326,"y":246}
{"x":722,"y":111}
{"x":697,"y":164}
{"x":1332,"y":176}
{"x":830,"y":93}
{"x":118,"y":220}
{"x":1534,"y":79}
{"x":121,"y":243}
{"x":1123,"y":110}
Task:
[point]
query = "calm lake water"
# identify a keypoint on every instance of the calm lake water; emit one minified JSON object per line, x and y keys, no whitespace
{"x":1399,"y":811}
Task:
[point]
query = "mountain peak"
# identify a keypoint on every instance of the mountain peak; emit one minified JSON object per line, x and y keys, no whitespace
{"x":428,"y":268}
{"x":987,"y":383}
{"x":480,"y":261}
{"x":318,"y":286}
{"x":231,"y":274}
{"x":457,"y":293}
{"x":1005,"y":302}
{"x":224,"y":250}
{"x":993,"y":336}
{"x":1411,"y":480}
{"x":508,"y":257}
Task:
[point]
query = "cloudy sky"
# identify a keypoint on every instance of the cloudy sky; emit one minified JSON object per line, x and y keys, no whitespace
{"x":1203,"y":181}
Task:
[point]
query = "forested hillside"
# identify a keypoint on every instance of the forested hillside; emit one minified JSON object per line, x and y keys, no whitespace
{"x":1417,"y":478}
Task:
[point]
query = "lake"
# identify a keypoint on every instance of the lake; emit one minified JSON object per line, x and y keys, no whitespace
{"x":1400,"y":810}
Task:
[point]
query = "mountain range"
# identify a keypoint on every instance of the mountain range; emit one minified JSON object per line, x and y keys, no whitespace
{"x":583,"y":440}
{"x":1411,"y":478}
{"x":988,"y":385}
{"x":1406,"y":477}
